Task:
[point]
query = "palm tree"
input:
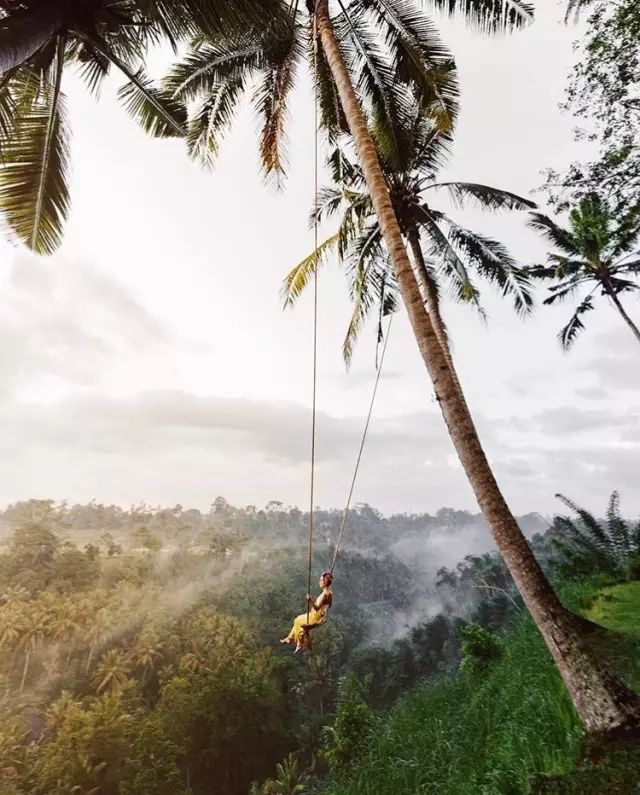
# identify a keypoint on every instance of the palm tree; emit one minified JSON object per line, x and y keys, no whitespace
{"x":352,"y":72}
{"x":64,"y":628}
{"x":289,"y":779}
{"x":410,"y":160}
{"x":59,"y":711}
{"x":38,"y":39}
{"x":599,"y":253}
{"x":96,"y":633}
{"x":196,"y":660}
{"x":148,"y":652}
{"x":11,"y":621}
{"x":112,"y":673}
{"x":33,"y":632}
{"x":584,"y":546}
{"x":603,"y":703}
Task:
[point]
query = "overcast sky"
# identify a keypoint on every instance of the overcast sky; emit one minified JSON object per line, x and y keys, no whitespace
{"x":150,"y":359}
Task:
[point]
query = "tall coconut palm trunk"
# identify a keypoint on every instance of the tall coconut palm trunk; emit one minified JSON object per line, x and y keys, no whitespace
{"x":431,"y":300}
{"x":602,"y":702}
{"x":618,"y":305}
{"x":25,"y":670}
{"x":22,"y":37}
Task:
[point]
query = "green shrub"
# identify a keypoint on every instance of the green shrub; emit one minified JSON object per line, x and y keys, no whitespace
{"x":480,"y":648}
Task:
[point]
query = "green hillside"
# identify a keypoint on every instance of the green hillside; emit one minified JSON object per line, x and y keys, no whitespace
{"x":507,"y":729}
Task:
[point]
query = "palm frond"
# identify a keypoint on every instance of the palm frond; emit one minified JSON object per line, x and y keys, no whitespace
{"x":568,"y":334}
{"x":431,"y":150}
{"x":627,"y":234}
{"x":361,"y":306}
{"x":328,"y":203}
{"x":364,"y":298}
{"x":34,"y":190}
{"x":589,"y":521}
{"x":214,"y":17}
{"x":623,"y":285}
{"x":368,"y":272}
{"x":562,"y":267}
{"x":374,"y":79}
{"x":157,"y":112}
{"x":630,"y":266}
{"x":332,"y":117}
{"x":617,"y":527}
{"x":344,"y":170}
{"x":574,"y":7}
{"x":490,"y":16}
{"x":212,"y":120}
{"x":354,"y":220}
{"x":421,"y":59}
{"x":270,"y":100}
{"x":203,"y":69}
{"x":93,"y":71}
{"x":494,"y":263}
{"x":568,"y":288}
{"x":482,"y":196}
{"x":560,"y":238}
{"x":299,"y":277}
{"x":7,"y":109}
{"x":447,"y":260}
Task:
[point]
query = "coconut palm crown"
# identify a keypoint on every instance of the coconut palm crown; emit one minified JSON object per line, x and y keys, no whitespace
{"x":597,"y":253}
{"x":392,"y":52}
{"x":445,"y":253}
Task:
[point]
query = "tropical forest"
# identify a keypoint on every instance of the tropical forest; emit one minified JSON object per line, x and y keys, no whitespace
{"x":319,"y":421}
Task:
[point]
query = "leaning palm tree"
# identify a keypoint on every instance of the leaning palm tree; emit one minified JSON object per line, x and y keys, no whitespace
{"x":599,"y":254}
{"x":39,"y":41}
{"x":356,"y":67}
{"x":604,"y":704}
{"x":445,"y":254}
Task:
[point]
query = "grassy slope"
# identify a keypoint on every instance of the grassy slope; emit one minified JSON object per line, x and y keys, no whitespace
{"x":488,"y":735}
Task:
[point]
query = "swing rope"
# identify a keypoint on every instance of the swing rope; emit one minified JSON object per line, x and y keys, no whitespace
{"x":345,"y":513}
{"x":315,"y":305}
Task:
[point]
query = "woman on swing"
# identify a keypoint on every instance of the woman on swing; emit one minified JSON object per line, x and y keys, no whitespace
{"x":304,"y":623}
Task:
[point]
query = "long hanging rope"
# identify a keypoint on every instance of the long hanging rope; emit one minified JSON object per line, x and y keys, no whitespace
{"x":315,"y":354}
{"x":345,"y":513}
{"x":315,"y":305}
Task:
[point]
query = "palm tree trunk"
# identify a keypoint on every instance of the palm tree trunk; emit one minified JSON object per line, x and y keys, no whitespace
{"x":603,"y":703}
{"x":92,"y":649}
{"x":25,"y":670}
{"x":614,"y":297}
{"x":68,"y":657}
{"x":431,"y":300}
{"x":21,"y":37}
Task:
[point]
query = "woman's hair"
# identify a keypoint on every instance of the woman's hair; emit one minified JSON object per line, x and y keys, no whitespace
{"x":327,"y":575}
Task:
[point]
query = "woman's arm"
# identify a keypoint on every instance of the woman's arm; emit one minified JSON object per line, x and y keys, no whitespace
{"x":316,"y":605}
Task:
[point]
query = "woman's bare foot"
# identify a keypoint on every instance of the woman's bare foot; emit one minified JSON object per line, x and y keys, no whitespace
{"x":286,"y":641}
{"x":297,"y":649}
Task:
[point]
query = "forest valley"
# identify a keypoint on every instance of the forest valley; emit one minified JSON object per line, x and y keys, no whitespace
{"x":139,"y":652}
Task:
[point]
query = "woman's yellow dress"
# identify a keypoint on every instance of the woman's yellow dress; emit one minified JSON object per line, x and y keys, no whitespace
{"x":300,"y":623}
